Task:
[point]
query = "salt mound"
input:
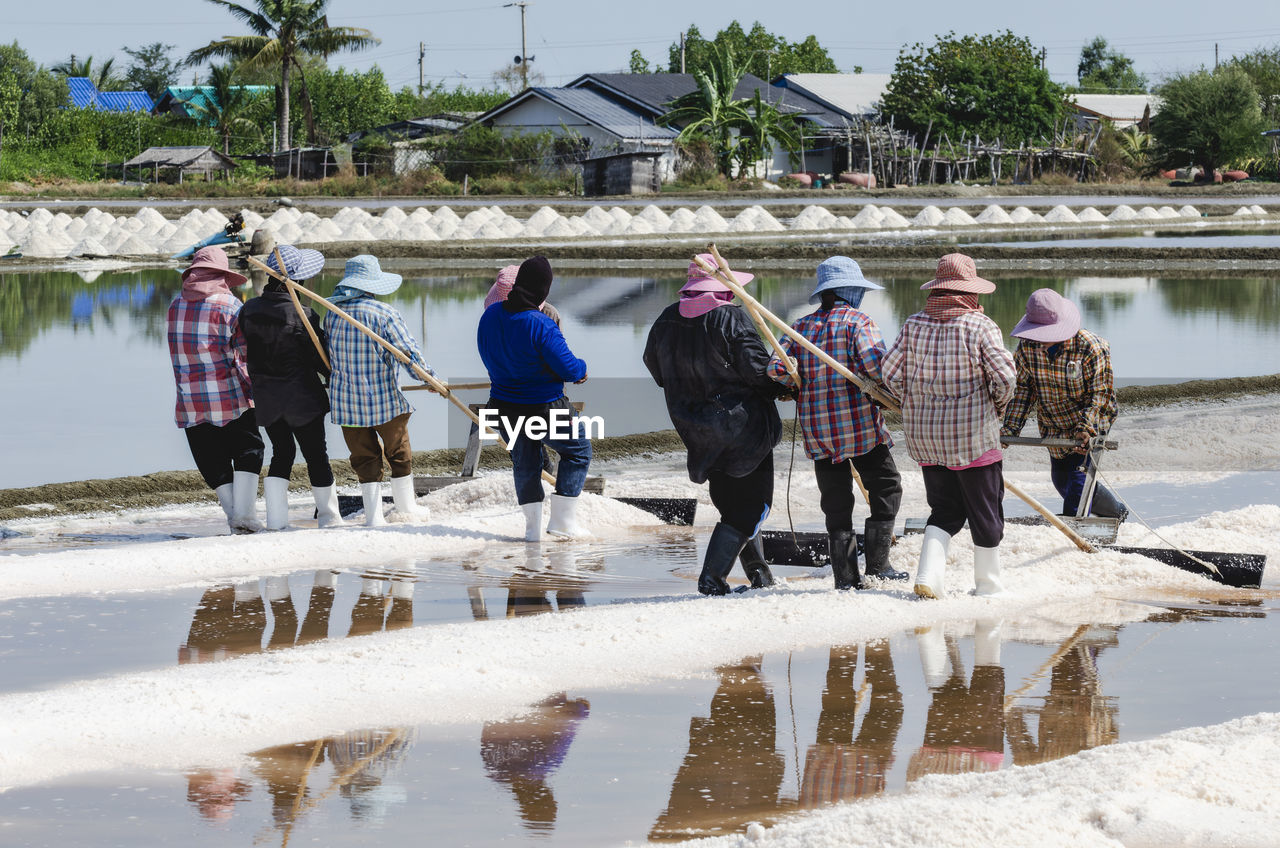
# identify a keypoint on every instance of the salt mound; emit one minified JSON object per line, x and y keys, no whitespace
{"x":597,"y":217}
{"x":683,"y":221}
{"x":215,"y":220}
{"x":88,"y":247}
{"x":638,"y":227}
{"x":814,"y":218}
{"x":765,"y":222}
{"x":510,"y":227}
{"x":40,"y":216}
{"x":581,"y":227}
{"x":993,"y":214}
{"x":394,"y":215}
{"x":324,"y":231}
{"x":1147,"y":213}
{"x":1189,"y":212}
{"x":443,"y":227}
{"x":709,"y":220}
{"x":1023,"y":215}
{"x":76,"y":228}
{"x":422,"y":215}
{"x":288,"y":233}
{"x":1168,"y":212}
{"x":869,"y":217}
{"x":1122,"y":213}
{"x":61,"y":220}
{"x":45,"y":245}
{"x":543,"y":218}
{"x":1061,"y":215}
{"x":930,"y":216}
{"x":559,"y":228}
{"x":656,"y":218}
{"x":891,"y":220}
{"x":1258,"y":210}
{"x":134,"y":246}
{"x":252,"y":220}
{"x":620,"y":215}
{"x":489,"y":230}
{"x":957,"y":217}
{"x":1089,"y":215}
{"x":444,"y":213}
{"x":356,"y":231}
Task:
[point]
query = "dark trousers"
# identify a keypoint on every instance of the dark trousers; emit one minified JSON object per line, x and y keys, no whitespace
{"x":367,"y":452}
{"x":310,"y":437}
{"x":744,"y":502}
{"x":1068,"y":478}
{"x":975,"y":495}
{"x":835,"y":485}
{"x":527,"y":459}
{"x":221,"y":451}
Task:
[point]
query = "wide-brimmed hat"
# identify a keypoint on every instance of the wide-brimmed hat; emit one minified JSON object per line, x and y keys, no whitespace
{"x":956,"y":272}
{"x":300,"y":263}
{"x":699,"y":281}
{"x":839,"y":272}
{"x":1050,"y":318}
{"x":363,"y":272}
{"x":215,"y":259}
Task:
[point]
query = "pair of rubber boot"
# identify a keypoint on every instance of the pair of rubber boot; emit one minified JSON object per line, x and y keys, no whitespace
{"x":275,"y":494}
{"x":563,"y":522}
{"x":402,"y":493}
{"x":727,"y":545}
{"x":930,"y":575}
{"x":842,"y":547}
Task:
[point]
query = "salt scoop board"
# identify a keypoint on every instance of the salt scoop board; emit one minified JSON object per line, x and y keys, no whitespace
{"x":802,"y":549}
{"x":677,"y":511}
{"x":1099,"y":531}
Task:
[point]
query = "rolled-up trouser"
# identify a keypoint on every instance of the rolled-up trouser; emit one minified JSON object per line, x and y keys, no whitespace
{"x":315,"y":450}
{"x":744,"y":502}
{"x":221,"y":451}
{"x":975,"y":495}
{"x":1068,"y":478}
{"x":367,"y":452}
{"x":835,"y":484}
{"x":526,"y":453}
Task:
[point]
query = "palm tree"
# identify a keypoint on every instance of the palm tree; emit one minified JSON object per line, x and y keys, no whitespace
{"x":223,"y":108}
{"x":766,"y":123}
{"x":711,"y":110}
{"x":282,"y":31}
{"x":103,"y":76}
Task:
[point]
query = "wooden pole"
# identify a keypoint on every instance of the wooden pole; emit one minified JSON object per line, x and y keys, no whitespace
{"x":297,"y":304}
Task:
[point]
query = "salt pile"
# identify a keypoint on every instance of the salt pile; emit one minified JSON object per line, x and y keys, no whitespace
{"x":1023,"y":215}
{"x":1122,"y":213}
{"x":1189,"y":212}
{"x":930,"y":216}
{"x":1258,"y":210}
{"x":683,"y":221}
{"x":870,"y":217}
{"x":709,"y":220}
{"x":1089,"y":215}
{"x":1168,"y":212}
{"x":1061,"y":215}
{"x":891,"y":220}
{"x":957,"y":217}
{"x":1244,"y":212}
{"x":814,"y":218}
{"x":994,"y":215}
{"x":1147,"y":213}
{"x":655,"y":218}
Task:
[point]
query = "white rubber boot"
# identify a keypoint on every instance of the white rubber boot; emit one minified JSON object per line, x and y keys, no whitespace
{"x":933,"y":655}
{"x":402,"y":589}
{"x":225,"y":501}
{"x":275,"y":493}
{"x":933,"y":563}
{"x":244,"y":503}
{"x":532,"y":521}
{"x":406,"y":500}
{"x":327,"y":514}
{"x":372,"y":494}
{"x":564,"y":519}
{"x":986,"y":573}
{"x":986,"y":642}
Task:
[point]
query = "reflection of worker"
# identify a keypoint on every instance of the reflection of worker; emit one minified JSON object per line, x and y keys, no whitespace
{"x":1075,"y":716}
{"x":1064,"y":373}
{"x":524,"y":752}
{"x":838,"y":766}
{"x":733,"y":770}
{"x":229,"y":621}
{"x":964,"y":731}
{"x":215,"y":792}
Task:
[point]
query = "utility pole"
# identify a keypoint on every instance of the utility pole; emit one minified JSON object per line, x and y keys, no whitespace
{"x":682,"y":52}
{"x":524,"y":58}
{"x":422,"y":52}
{"x":1215,"y":56}
{"x":1044,"y":56}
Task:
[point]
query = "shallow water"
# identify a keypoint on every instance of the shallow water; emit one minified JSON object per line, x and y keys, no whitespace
{"x":90,"y":364}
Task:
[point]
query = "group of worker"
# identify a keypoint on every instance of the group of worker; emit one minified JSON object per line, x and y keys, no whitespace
{"x":266,"y":364}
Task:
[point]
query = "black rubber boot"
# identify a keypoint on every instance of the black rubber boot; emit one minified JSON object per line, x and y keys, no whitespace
{"x":723,"y":549}
{"x":753,"y":563}
{"x":878,"y":538}
{"x":842,"y":546}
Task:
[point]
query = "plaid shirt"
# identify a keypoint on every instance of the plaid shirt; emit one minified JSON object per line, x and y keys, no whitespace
{"x":208,"y":363}
{"x":837,"y":420}
{"x":954,"y":379}
{"x":364,"y":387}
{"x":1070,"y":386}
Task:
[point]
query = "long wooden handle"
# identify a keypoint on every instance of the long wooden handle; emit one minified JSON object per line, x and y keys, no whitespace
{"x":297,"y":304}
{"x":430,"y":379}
{"x":1081,"y":542}
{"x":1051,"y":442}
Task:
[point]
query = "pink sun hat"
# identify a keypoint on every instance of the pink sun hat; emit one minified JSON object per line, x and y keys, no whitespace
{"x":956,"y":272}
{"x":698,"y":280}
{"x":1050,"y":318}
{"x":501,"y":286}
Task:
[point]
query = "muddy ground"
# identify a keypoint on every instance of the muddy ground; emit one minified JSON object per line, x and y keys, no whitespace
{"x":169,"y":487}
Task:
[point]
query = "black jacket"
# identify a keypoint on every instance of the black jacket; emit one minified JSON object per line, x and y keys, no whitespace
{"x":713,"y":371}
{"x":284,"y":366}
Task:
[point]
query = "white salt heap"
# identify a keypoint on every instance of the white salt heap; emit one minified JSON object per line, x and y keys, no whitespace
{"x":869,"y":217}
{"x":1122,"y":213}
{"x":1089,"y":215}
{"x":1147,"y":213}
{"x":891,"y":220}
{"x":1061,"y":215}
{"x":994,"y":215}
{"x":1189,"y":212}
{"x":930,"y":216}
{"x":957,"y":217}
{"x":1023,"y":215}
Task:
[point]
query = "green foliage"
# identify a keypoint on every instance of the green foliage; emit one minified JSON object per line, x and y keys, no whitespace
{"x":103,"y":76}
{"x":989,"y":85}
{"x":761,"y":52}
{"x":1136,"y":147}
{"x":638,"y":64}
{"x":1207,"y":118}
{"x":711,"y":110}
{"x":43,"y":92}
{"x":478,"y":152}
{"x":766,"y":124}
{"x":436,"y":99}
{"x":227,"y":107}
{"x":349,"y":101}
{"x":1263,"y":69}
{"x":1102,"y":69}
{"x":153,"y":68}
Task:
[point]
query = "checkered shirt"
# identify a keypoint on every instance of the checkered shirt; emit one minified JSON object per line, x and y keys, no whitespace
{"x":1071,"y":392}
{"x":837,"y":420}
{"x":208,"y":363}
{"x":364,"y":387}
{"x":954,"y":379}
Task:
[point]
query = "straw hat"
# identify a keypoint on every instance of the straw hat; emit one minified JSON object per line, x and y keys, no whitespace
{"x":839,"y":272}
{"x":364,"y":273}
{"x":1050,"y":318}
{"x":300,"y":263}
{"x":215,"y":259}
{"x":699,"y":281}
{"x":956,"y":272}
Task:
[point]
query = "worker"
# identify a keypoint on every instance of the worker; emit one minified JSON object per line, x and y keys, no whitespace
{"x":954,"y":378}
{"x":713,"y":368}
{"x":1064,"y":374}
{"x":844,"y":432}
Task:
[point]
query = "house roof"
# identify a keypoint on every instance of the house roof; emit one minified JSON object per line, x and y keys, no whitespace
{"x":1117,"y":107}
{"x":85,"y":95}
{"x":850,"y":95}
{"x":594,"y":108}
{"x":412,"y":128}
{"x":177,"y":157}
{"x":193,"y":100}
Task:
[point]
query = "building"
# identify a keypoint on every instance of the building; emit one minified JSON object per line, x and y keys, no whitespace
{"x":192,"y":101}
{"x":1122,"y":110}
{"x":168,"y":161}
{"x":854,"y":97}
{"x":85,"y":95}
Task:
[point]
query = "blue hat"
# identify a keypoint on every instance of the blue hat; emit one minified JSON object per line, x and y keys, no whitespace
{"x":364,"y":273}
{"x":300,"y":263}
{"x":838,"y":272}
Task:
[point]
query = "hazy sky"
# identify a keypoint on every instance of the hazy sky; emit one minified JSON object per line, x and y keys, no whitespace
{"x":571,"y":37}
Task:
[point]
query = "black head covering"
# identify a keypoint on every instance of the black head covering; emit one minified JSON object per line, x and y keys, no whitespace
{"x":533,"y":284}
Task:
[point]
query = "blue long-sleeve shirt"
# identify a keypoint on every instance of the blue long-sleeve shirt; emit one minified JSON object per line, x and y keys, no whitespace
{"x":526,"y":355}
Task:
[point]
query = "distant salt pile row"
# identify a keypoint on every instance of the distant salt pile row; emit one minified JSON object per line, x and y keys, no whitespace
{"x":147,"y":233}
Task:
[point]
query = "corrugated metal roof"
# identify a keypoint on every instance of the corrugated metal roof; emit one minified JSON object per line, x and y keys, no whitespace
{"x":597,"y":109}
{"x":851,"y":95}
{"x":1118,"y":107}
{"x":83,"y":92}
{"x":174,"y":157}
{"x":85,"y":95}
